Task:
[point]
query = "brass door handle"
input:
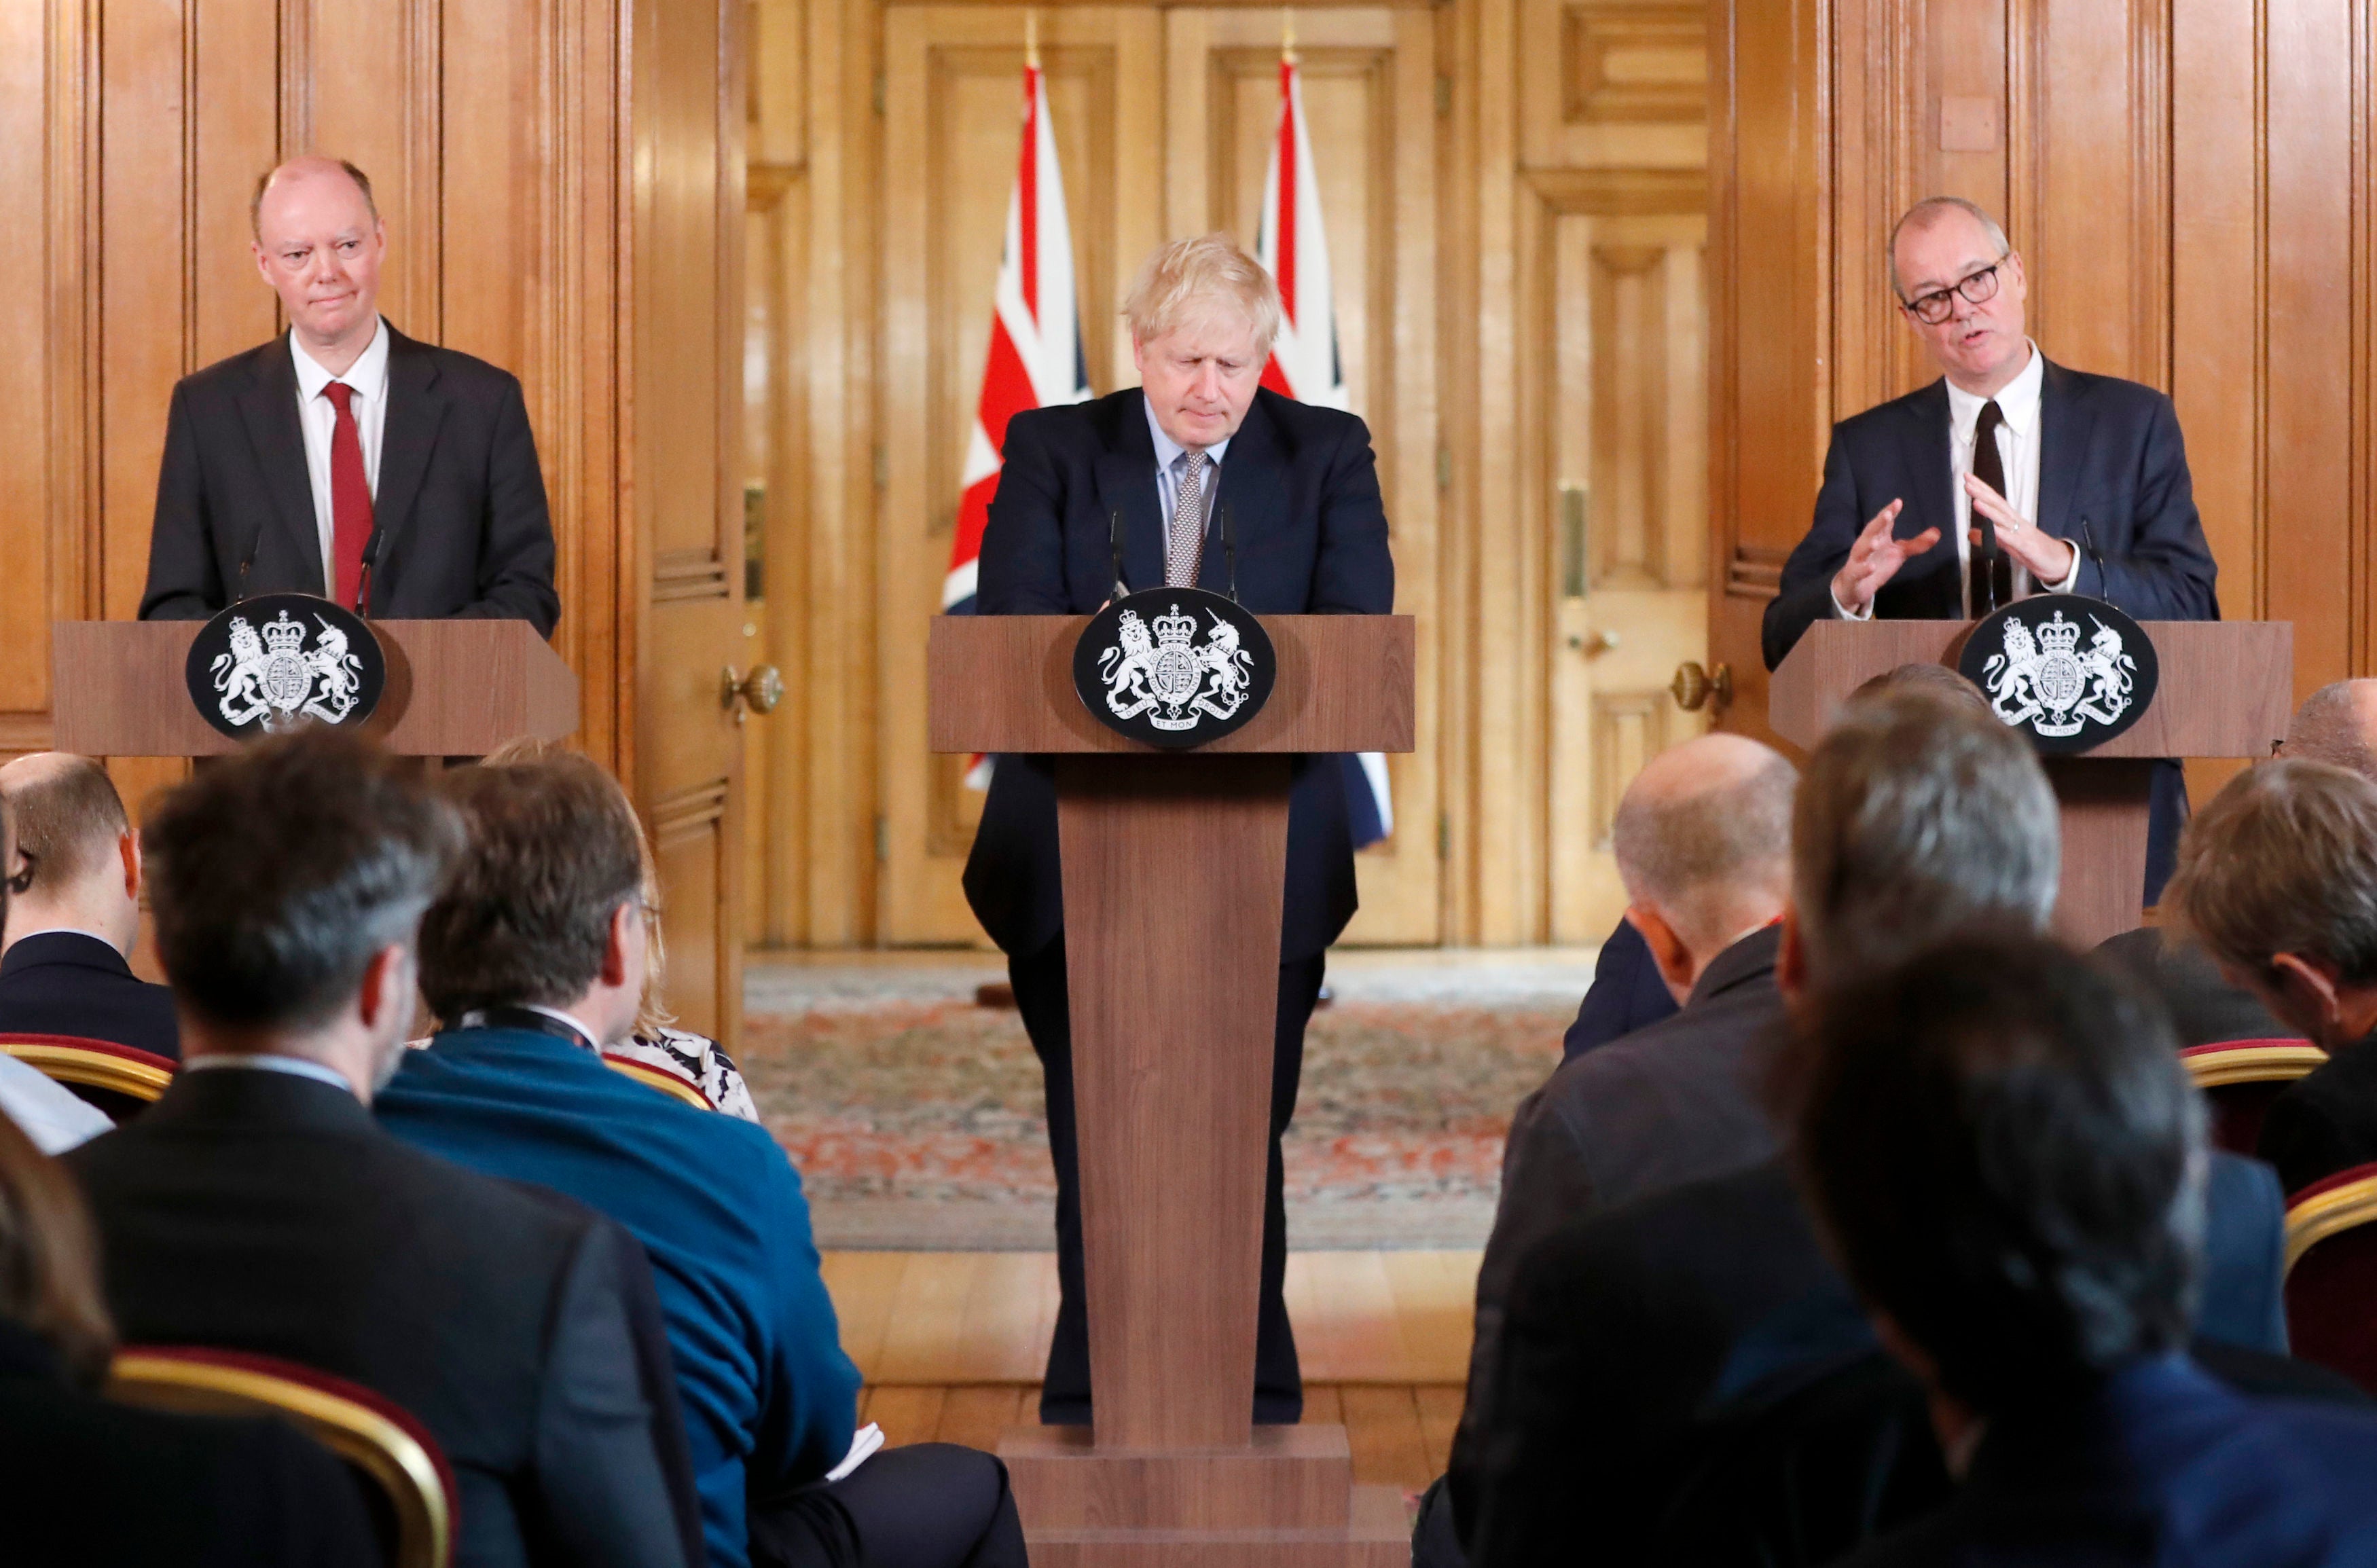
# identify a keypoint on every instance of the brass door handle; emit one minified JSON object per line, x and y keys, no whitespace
{"x":1694,"y":687}
{"x":757,"y":692}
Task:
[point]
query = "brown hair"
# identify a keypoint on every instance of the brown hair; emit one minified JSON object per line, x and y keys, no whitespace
{"x":2283,"y":860}
{"x":553,"y":852}
{"x":68,"y":818}
{"x":49,"y":1261}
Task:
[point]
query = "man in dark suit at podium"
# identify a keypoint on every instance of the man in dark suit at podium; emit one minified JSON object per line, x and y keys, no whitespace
{"x":1172,"y":475}
{"x":2079,"y":480}
{"x":343,"y":458}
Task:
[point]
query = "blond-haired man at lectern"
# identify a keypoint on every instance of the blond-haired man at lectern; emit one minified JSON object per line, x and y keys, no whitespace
{"x":343,"y":458}
{"x":1197,"y":478}
{"x":2009,"y":475}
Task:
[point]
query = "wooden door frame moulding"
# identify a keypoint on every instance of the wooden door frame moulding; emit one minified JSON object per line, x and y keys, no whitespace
{"x":1618,"y":191}
{"x":70,"y":333}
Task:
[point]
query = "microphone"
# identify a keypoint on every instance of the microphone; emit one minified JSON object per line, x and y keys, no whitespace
{"x":1985,"y":563}
{"x":1113,"y":546}
{"x":362,"y":605}
{"x":1230,"y":552}
{"x":2104,"y":583}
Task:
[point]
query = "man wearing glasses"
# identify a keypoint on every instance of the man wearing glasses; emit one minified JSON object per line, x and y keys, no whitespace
{"x":2011,"y":475}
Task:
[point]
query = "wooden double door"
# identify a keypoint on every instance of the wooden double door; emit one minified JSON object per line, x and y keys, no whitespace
{"x":1164,"y":119}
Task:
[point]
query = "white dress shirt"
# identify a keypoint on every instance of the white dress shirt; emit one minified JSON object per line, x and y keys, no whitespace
{"x":45,"y":1110}
{"x":2018,"y":448}
{"x":1167,"y":480}
{"x":319,"y":418}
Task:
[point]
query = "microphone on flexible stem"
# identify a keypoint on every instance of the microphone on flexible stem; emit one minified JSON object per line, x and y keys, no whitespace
{"x":362,"y":605}
{"x":2104,"y":582}
{"x":1230,"y":551}
{"x":1986,"y":562}
{"x":1113,"y":547}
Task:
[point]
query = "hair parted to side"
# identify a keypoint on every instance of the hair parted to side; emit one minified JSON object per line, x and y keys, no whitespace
{"x":1696,"y":854}
{"x":1918,"y":814}
{"x":1999,"y":1139}
{"x":552,"y":851}
{"x":68,"y":818}
{"x":1948,"y":683}
{"x":275,"y":875}
{"x":2283,"y":860}
{"x":1930,"y":210}
{"x":264,"y":182}
{"x":2329,"y":727}
{"x":1187,"y":281}
{"x":49,"y":1259}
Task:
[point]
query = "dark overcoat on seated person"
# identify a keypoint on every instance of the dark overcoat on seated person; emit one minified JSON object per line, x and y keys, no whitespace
{"x":460,"y":507}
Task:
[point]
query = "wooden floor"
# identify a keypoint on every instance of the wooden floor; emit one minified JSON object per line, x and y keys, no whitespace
{"x":950,"y":1345}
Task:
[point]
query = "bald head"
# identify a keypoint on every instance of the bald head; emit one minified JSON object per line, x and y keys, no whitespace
{"x":2337,"y":725}
{"x":76,"y":864}
{"x":1703,"y":840}
{"x":319,"y":243}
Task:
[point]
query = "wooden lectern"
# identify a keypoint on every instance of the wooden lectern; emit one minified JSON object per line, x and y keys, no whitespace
{"x":2226,"y":690}
{"x":455,"y":689}
{"x":1173,"y":871}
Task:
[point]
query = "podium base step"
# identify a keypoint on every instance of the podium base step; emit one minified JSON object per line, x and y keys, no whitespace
{"x":1375,"y":1535}
{"x":1286,"y":1477}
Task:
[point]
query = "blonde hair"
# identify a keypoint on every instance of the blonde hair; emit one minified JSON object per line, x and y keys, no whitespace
{"x":1187,"y":278}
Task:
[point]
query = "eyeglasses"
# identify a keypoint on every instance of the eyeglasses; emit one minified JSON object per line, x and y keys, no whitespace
{"x":1936,"y":307}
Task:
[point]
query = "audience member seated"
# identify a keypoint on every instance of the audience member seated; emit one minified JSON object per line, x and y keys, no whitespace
{"x":257,"y":1207}
{"x":105,"y":1486}
{"x":534,"y":960}
{"x":2204,"y":1009}
{"x":76,"y":913}
{"x":2277,"y":880}
{"x":44,"y":1110}
{"x":1918,"y":816}
{"x":2003,"y":1152}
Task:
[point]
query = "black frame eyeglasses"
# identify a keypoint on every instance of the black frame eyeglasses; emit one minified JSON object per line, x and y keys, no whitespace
{"x":1939,"y":304}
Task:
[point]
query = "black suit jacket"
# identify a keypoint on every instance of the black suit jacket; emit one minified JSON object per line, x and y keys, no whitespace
{"x":2205,"y":1008}
{"x":1625,"y":1329}
{"x":2325,"y":1121}
{"x":460,"y":505}
{"x":1302,"y":489}
{"x":1627,"y":994}
{"x":72,"y":983}
{"x":91,"y":1484}
{"x":260,"y":1211}
{"x":2113,"y":455}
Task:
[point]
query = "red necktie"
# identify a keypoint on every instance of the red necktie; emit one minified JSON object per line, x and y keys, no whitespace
{"x":351,"y":501}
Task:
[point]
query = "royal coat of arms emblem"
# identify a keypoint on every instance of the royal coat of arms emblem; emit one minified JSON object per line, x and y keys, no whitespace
{"x":1174,"y":666}
{"x":2071,"y":686}
{"x":268,"y":674}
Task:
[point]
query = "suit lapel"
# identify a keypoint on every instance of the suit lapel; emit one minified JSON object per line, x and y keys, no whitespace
{"x":269,"y":409}
{"x":1254,"y":486}
{"x":1125,"y":480}
{"x":2065,"y":423}
{"x":415,"y":409}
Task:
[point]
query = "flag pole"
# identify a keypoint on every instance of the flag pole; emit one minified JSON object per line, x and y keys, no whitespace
{"x":1287,"y":34}
{"x":1032,"y":40}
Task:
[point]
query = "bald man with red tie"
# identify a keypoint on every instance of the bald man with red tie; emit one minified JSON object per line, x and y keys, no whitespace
{"x":343,"y":458}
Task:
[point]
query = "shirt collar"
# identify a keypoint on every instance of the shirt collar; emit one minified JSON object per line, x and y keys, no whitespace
{"x":367,"y":374}
{"x":2017,"y":401}
{"x":481,"y":1018}
{"x":266,"y":1061}
{"x":1167,"y":450}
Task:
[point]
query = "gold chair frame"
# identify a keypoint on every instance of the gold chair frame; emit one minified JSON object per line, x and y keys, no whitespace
{"x":2262,"y":1062}
{"x":659,"y":1078}
{"x":70,"y":1062}
{"x":2312,"y":1220}
{"x":382,"y":1448}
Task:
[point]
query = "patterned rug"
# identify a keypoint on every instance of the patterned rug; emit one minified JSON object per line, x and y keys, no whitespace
{"x":915,"y":1118}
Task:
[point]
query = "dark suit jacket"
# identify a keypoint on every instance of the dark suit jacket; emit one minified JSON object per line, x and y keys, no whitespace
{"x":70,"y":983}
{"x":1303,"y":493}
{"x":2113,"y":455}
{"x":2161,"y":1464}
{"x":459,"y":504}
{"x":1627,"y":994}
{"x":2324,"y":1121}
{"x":1672,"y":1104}
{"x":260,"y":1211}
{"x":1623,"y":1329}
{"x":2205,"y":1008}
{"x":99,"y":1485}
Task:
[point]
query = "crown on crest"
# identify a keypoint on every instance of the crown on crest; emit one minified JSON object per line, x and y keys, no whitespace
{"x":2059,"y":636}
{"x":284,"y":636}
{"x":1175,"y":630}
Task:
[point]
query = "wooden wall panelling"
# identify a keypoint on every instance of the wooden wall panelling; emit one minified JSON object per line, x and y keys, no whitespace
{"x":1613,"y":82}
{"x":952,"y":79}
{"x":41,"y":309}
{"x":363,"y":80}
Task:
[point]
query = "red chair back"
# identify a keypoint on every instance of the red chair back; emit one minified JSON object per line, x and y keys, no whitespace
{"x":2240,"y":1078}
{"x":139,"y":1077}
{"x":2332,"y":1273}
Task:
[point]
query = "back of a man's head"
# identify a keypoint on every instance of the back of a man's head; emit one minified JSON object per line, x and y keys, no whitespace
{"x":1999,"y":1138}
{"x":69,"y":819}
{"x":1704,"y":835}
{"x":277,"y":874}
{"x":2337,"y":725}
{"x":2283,"y":860}
{"x":1918,"y":816}
{"x":552,"y":854}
